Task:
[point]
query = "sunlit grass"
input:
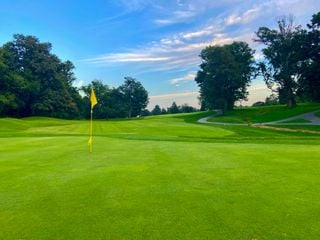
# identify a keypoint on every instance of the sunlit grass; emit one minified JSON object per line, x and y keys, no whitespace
{"x":163,"y":177}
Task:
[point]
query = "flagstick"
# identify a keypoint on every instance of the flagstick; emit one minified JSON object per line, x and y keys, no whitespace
{"x":91,"y":132}
{"x":93,"y":101}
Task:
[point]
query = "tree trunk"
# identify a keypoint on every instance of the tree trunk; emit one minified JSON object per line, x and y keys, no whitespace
{"x":225,"y":107}
{"x":130,"y":109}
{"x":129,"y":112}
{"x":291,"y":102}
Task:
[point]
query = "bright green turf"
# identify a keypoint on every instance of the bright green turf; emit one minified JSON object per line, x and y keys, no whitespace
{"x":156,"y":178}
{"x":264,"y":113}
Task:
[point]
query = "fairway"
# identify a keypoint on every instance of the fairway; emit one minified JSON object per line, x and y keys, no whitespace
{"x":164,"y":177}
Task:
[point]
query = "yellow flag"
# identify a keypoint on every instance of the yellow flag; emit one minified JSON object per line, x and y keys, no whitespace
{"x":93,"y":99}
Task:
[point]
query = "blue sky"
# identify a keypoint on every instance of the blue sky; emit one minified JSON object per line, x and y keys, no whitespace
{"x":154,"y":41}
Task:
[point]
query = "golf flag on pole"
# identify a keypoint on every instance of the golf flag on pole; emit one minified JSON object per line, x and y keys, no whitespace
{"x":93,"y":101}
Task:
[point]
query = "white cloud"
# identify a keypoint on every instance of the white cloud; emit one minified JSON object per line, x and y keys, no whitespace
{"x":181,"y":11}
{"x":295,"y":7}
{"x":181,"y":50}
{"x":245,"y":18}
{"x":135,"y":5}
{"x":202,"y":32}
{"x":187,"y":77}
{"x":173,"y":41}
{"x":196,"y":34}
{"x":167,"y":53}
{"x":258,"y":56}
{"x":78,"y":83}
{"x":164,"y":21}
{"x":257,"y":87}
{"x":176,"y":17}
{"x":126,"y":57}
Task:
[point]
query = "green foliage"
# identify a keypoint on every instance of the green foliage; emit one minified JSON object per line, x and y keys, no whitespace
{"x":185,"y":108}
{"x":156,"y":110}
{"x":310,"y":61}
{"x":109,"y":101}
{"x":173,"y":108}
{"x":13,"y":88}
{"x":135,"y":96}
{"x":224,"y":75}
{"x":280,"y":67}
{"x":116,"y":102}
{"x":145,"y":112}
{"x":35,"y":82}
{"x":292,"y":60}
{"x":258,"y":104}
{"x":272,"y":100}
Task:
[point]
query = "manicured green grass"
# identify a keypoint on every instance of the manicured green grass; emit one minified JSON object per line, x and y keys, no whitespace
{"x":264,"y":113}
{"x":163,"y":177}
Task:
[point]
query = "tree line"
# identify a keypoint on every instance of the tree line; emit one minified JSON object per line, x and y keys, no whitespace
{"x":173,"y":109}
{"x":35,"y":82}
{"x":128,"y":100}
{"x":290,"y":66}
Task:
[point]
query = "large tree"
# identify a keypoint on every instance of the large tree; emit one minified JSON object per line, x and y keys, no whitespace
{"x":9,"y":99}
{"x":15,"y":90}
{"x":224,"y":75}
{"x":280,"y":68}
{"x":309,"y":64}
{"x":38,"y":81}
{"x":135,"y":96}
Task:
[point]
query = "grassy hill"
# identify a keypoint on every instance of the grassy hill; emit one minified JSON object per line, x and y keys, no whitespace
{"x":164,"y":177}
{"x":264,"y":113}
